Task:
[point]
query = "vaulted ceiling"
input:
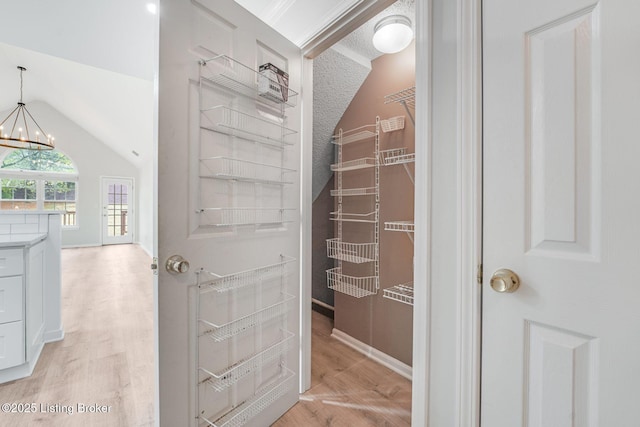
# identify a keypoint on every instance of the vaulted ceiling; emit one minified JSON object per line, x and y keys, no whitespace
{"x":91,"y":60}
{"x":95,"y":61}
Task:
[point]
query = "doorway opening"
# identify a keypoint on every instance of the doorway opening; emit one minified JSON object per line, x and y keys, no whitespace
{"x":363,"y":222}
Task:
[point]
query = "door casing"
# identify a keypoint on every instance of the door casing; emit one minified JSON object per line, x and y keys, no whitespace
{"x":468,"y":213}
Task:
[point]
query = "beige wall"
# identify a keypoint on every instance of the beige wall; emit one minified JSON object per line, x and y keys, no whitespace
{"x":382,"y":323}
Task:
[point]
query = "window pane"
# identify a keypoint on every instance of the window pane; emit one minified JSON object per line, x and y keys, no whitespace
{"x":18,"y":189}
{"x":47,"y":161}
{"x":60,"y":196}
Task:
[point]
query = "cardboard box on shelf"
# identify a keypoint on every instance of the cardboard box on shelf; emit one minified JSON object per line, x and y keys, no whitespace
{"x":273,"y":83}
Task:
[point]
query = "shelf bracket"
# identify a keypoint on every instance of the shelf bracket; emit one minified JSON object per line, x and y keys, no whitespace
{"x":404,"y":103}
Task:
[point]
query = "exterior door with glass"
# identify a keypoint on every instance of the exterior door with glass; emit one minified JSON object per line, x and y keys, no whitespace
{"x":117,"y":210}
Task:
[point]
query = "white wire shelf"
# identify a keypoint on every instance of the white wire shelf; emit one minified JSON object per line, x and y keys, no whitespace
{"x":406,"y":96}
{"x":367,"y":162}
{"x":354,"y":135}
{"x":244,"y":80}
{"x":357,"y":287}
{"x":227,"y":330}
{"x":401,"y":293}
{"x":234,"y":373}
{"x":368,"y":191}
{"x":400,"y":160}
{"x":208,"y":281}
{"x":393,"y":152}
{"x":356,"y":253}
{"x":396,"y":156}
{"x":369,"y":217}
{"x":406,"y":226}
{"x":226,"y":217}
{"x":235,"y":123}
{"x":392,"y":124}
{"x":253,"y":406}
{"x":243,"y":170}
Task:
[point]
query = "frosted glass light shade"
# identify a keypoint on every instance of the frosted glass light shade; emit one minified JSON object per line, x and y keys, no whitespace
{"x":392,"y":34}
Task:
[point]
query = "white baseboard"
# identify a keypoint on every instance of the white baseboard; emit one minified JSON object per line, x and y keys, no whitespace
{"x":52,"y":336}
{"x":322,"y":304}
{"x":374,"y":354}
{"x":89,"y":245}
{"x":144,"y":248}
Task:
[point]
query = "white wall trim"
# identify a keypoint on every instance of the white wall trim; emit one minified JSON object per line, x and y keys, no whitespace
{"x":469,"y":213}
{"x":322,"y":304}
{"x":87,"y":245}
{"x":53,"y":336}
{"x":306,"y":221}
{"x":345,"y":23}
{"x":374,"y":354}
{"x":422,"y":215}
{"x":144,"y":248}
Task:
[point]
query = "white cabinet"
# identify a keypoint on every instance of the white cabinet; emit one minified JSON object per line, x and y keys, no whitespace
{"x":10,"y":299}
{"x":12,"y":348}
{"x":22,"y":278}
{"x":11,"y":344}
{"x":11,"y":262}
{"x":34,"y":282}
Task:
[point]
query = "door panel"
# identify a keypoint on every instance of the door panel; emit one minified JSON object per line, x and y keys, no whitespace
{"x":228,"y":192}
{"x":560,"y":209}
{"x":117,"y":211}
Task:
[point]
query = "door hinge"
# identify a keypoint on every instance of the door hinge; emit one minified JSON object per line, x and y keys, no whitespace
{"x":154,"y":266}
{"x":479,"y":274}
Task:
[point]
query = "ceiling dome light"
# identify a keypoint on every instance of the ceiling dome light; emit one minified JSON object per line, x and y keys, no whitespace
{"x":392,"y":34}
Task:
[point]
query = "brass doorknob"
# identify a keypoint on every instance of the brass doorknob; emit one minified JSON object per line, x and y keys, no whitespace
{"x":505,"y":281}
{"x":176,"y":265}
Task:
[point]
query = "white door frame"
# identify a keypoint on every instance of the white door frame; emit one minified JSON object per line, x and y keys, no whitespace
{"x":132,"y":203}
{"x":469,"y":251}
{"x":465,"y":405}
{"x":462,"y":407}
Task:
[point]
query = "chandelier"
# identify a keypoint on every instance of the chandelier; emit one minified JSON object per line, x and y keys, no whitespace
{"x":20,"y":130}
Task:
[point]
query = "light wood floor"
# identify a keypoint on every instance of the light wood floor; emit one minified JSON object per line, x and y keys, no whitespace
{"x":106,"y":356}
{"x":347,"y":388}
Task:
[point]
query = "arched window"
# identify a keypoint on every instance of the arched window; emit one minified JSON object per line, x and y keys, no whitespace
{"x":40,"y":180}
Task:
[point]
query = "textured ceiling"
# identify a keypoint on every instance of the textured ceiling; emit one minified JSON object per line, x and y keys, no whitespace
{"x":360,"y":42}
{"x":338,"y":74}
{"x":297,"y":20}
{"x":336,"y":80}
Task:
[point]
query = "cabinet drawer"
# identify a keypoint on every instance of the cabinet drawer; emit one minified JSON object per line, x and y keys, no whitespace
{"x":11,"y":262}
{"x":11,"y":344}
{"x":10,"y":299}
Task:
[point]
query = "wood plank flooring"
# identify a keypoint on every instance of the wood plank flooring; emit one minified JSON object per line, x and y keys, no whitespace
{"x":106,"y":357}
{"x":347,"y":388}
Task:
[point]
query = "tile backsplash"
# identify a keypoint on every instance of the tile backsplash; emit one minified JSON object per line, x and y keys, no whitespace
{"x":24,"y":223}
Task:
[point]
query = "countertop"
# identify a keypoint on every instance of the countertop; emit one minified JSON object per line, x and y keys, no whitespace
{"x":28,"y":240}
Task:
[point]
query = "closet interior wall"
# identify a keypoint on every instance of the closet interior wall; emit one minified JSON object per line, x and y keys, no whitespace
{"x":379,"y":322}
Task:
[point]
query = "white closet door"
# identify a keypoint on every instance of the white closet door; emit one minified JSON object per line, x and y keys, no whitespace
{"x":228,"y":203}
{"x":561,"y":207}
